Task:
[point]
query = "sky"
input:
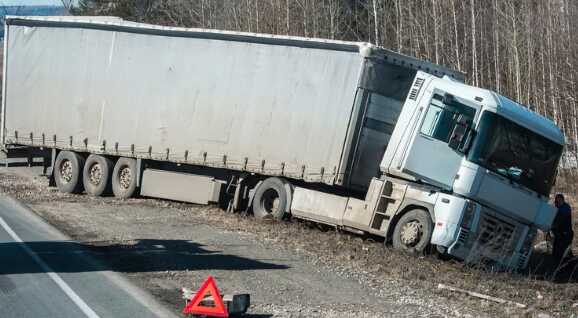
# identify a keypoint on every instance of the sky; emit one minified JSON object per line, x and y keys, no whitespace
{"x":30,"y":2}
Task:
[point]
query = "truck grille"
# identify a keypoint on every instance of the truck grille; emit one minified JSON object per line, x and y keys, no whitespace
{"x":523,"y":260}
{"x":496,"y":235}
{"x":463,"y":236}
{"x":526,"y":250}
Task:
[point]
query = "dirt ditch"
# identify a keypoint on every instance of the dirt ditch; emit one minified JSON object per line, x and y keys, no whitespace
{"x":294,"y":269}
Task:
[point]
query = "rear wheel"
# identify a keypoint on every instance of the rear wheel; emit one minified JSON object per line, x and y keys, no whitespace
{"x":271,"y":199}
{"x":97,"y":175}
{"x":413,"y":232}
{"x":124,"y":178}
{"x":68,"y":172}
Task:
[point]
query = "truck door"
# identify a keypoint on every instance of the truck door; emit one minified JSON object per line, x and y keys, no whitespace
{"x":429,"y":157}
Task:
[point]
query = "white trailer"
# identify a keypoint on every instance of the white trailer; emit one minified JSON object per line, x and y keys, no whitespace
{"x":341,"y":133}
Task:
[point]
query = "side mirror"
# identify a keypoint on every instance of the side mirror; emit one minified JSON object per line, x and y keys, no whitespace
{"x":461,"y":135}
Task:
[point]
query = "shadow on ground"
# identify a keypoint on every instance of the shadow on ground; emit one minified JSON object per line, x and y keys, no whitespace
{"x":542,"y":266}
{"x":129,"y":257}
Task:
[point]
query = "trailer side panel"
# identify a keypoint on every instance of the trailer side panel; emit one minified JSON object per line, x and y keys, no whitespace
{"x":272,"y":109}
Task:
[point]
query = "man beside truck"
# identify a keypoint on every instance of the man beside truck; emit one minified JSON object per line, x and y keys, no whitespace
{"x":562,"y":230}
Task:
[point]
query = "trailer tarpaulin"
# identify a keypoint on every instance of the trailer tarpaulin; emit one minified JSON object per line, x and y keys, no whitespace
{"x":271,"y":107}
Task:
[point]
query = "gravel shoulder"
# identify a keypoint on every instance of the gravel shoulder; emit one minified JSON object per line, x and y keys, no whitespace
{"x":290,"y":268}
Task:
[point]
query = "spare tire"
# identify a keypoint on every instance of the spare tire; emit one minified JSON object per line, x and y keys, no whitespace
{"x":68,"y":172}
{"x":272,"y":199}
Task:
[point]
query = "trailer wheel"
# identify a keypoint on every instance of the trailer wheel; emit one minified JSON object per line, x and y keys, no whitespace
{"x":124,"y":178}
{"x":271,"y":199}
{"x":97,"y":175}
{"x":413,"y":232}
{"x":68,"y":172}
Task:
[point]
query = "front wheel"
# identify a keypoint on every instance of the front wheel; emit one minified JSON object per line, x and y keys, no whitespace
{"x":413,"y":231}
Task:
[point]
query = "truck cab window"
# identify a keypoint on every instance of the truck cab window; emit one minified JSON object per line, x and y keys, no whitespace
{"x":440,"y":119}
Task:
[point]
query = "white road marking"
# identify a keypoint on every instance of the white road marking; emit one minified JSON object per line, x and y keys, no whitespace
{"x":57,"y":279}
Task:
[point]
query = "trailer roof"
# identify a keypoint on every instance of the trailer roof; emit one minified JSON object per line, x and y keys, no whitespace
{"x":117,"y":24}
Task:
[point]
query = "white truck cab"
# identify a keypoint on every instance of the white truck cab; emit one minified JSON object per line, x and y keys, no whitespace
{"x":492,"y":160}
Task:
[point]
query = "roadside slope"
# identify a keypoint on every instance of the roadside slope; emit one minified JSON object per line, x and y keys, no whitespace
{"x":289,"y":269}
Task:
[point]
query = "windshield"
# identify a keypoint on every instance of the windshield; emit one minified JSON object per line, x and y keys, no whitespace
{"x":516,"y":152}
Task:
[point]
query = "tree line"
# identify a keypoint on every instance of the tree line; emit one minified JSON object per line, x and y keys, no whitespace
{"x":524,"y":49}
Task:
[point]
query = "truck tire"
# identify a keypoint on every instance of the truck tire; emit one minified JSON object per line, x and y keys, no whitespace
{"x":124,"y":178}
{"x":68,"y":172}
{"x":271,"y":199}
{"x":96,"y":177}
{"x":413,"y":231}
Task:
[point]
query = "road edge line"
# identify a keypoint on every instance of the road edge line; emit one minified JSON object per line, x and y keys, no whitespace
{"x":141,"y":295}
{"x":83,"y":306}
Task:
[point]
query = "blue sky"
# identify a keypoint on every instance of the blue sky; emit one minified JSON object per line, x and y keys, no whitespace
{"x":29,"y":2}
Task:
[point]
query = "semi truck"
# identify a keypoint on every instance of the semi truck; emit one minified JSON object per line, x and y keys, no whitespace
{"x":345,"y":134}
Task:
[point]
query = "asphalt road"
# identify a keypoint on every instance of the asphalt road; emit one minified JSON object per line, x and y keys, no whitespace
{"x":45,"y":274}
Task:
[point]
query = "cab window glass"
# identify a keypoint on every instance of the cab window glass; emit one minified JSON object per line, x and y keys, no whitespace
{"x":441,"y":119}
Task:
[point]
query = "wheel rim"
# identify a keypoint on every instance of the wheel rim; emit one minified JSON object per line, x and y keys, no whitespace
{"x":66,"y":171}
{"x":125,"y":178}
{"x":95,"y":174}
{"x":270,"y":202}
{"x":411,"y":233}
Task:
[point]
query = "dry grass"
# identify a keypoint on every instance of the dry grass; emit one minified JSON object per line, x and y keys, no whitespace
{"x":543,"y":287}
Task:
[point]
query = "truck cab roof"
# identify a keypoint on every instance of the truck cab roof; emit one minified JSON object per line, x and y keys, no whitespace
{"x":529,"y":119}
{"x":505,"y":107}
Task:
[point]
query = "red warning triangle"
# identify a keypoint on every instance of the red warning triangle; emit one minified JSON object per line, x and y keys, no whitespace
{"x":194,"y":306}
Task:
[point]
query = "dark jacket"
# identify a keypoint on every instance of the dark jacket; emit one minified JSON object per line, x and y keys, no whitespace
{"x":563,"y":222}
